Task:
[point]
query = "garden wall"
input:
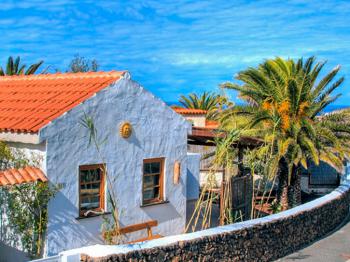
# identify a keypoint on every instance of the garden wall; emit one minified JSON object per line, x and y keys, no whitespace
{"x":263,"y":239}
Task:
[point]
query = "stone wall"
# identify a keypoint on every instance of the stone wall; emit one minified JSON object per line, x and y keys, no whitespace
{"x":263,"y":239}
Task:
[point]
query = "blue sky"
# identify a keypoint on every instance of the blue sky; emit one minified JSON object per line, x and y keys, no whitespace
{"x":177,"y":47}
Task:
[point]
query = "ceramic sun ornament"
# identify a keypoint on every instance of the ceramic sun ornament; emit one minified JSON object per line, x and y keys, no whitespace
{"x":125,"y":130}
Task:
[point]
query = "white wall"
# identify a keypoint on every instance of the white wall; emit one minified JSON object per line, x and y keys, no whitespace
{"x":346,"y":173}
{"x":157,"y":132}
{"x":192,"y":183}
{"x":214,"y":177}
{"x":35,"y":153}
{"x":197,"y":120}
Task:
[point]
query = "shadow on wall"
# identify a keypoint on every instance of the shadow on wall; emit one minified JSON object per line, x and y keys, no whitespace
{"x":164,"y":214}
{"x":8,"y":254}
{"x":65,"y":230}
{"x":192,"y":186}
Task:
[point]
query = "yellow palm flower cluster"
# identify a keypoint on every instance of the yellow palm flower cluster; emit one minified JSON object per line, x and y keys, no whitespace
{"x":283,"y":109}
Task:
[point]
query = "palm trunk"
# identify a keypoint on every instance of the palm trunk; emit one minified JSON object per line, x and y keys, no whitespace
{"x":282,"y":192}
{"x":294,"y":190}
{"x":288,"y":194}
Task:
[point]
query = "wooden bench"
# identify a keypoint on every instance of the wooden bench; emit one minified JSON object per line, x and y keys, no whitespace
{"x":137,"y":227}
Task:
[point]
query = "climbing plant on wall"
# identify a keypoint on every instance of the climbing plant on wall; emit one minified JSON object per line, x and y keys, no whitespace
{"x":26,"y":206}
{"x":23,"y":216}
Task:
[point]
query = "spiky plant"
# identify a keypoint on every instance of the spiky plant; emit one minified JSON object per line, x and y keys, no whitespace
{"x":14,"y":67}
{"x":285,"y":100}
{"x":110,"y":229}
{"x":202,"y":214}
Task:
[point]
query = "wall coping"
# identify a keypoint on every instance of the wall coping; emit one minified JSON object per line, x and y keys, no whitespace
{"x":105,"y":250}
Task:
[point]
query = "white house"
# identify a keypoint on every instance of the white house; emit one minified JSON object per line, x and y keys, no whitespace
{"x":143,"y":144}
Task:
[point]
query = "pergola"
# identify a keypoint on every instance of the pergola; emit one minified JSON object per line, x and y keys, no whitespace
{"x":242,"y":183}
{"x":205,"y":137}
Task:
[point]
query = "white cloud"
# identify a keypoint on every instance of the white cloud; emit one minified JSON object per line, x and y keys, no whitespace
{"x":175,"y":45}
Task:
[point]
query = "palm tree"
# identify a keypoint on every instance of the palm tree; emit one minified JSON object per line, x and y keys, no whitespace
{"x":14,"y":67}
{"x":285,"y":101}
{"x":211,"y":102}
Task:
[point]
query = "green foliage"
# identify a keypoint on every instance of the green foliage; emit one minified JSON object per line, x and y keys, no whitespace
{"x":24,"y":205}
{"x":82,"y":64}
{"x":224,"y":151}
{"x":27,"y":213}
{"x":14,"y":67}
{"x":276,"y":207}
{"x":6,"y":157}
{"x":211,"y":102}
{"x":284,"y":103}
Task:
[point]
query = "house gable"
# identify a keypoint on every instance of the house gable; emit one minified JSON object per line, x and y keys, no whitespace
{"x":110,"y":95}
{"x":157,"y":132}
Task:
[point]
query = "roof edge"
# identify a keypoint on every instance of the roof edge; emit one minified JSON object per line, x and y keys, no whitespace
{"x":189,"y":111}
{"x":71,"y":75}
{"x":28,"y":174}
{"x":28,"y":138}
{"x":126,"y":75}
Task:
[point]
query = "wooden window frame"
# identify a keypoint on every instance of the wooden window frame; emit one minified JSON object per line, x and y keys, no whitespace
{"x":101,"y":207}
{"x":160,"y":199}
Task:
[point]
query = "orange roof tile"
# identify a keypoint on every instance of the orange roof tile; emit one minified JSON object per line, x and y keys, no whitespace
{"x":21,"y":175}
{"x":189,"y":111}
{"x":27,"y":103}
{"x":211,"y":124}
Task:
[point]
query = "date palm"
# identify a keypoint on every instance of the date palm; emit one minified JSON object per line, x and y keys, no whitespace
{"x":211,"y":102}
{"x":285,"y":100}
{"x":14,"y":67}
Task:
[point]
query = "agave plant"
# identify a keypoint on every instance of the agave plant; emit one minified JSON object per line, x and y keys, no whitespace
{"x":14,"y":67}
{"x":284,"y":104}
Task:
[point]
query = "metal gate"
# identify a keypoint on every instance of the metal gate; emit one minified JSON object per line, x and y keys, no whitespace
{"x":241,"y":198}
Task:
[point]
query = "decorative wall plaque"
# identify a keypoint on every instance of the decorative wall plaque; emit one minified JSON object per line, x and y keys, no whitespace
{"x":177,"y":172}
{"x":125,"y":130}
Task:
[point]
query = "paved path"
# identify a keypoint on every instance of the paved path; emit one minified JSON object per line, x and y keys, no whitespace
{"x":333,"y":248}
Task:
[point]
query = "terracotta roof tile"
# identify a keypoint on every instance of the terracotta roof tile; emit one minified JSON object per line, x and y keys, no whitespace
{"x":211,"y":124}
{"x":21,"y":175}
{"x":27,"y":103}
{"x":189,"y":111}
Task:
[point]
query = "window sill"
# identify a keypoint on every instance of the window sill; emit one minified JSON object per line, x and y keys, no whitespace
{"x":155,"y":203}
{"x":93,"y":215}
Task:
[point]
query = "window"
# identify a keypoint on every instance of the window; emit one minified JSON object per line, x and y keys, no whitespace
{"x":153,"y":173}
{"x":91,"y":189}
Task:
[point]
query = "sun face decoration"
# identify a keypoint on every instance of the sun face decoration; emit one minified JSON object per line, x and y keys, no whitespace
{"x":125,"y":130}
